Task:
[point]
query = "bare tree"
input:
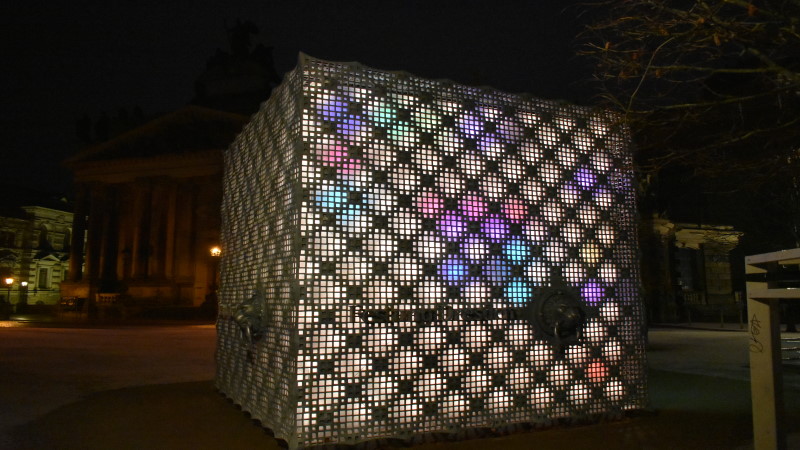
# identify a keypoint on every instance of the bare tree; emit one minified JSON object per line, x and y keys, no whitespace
{"x":709,"y":85}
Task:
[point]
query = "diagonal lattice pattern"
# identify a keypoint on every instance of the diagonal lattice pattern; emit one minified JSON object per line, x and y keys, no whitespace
{"x":409,"y":256}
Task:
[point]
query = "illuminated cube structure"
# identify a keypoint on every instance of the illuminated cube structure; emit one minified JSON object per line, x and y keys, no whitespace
{"x":404,"y":256}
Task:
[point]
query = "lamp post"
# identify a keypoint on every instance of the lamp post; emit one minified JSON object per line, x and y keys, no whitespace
{"x":215,"y":252}
{"x":8,"y":281}
{"x":5,"y":305}
{"x":22,"y":303}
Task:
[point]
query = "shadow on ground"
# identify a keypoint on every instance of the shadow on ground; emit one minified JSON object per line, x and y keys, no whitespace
{"x":688,"y":412}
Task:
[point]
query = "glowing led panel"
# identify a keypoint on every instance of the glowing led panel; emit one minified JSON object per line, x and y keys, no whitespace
{"x":406,"y":256}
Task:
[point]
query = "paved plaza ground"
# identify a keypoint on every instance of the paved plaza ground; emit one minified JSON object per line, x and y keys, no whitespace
{"x":152,"y":387}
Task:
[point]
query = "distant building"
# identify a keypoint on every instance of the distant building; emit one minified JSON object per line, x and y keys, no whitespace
{"x":35,"y":239}
{"x":149,"y":200}
{"x":687,"y":272}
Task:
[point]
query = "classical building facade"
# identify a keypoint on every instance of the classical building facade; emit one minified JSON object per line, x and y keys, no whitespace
{"x":35,"y":238}
{"x":149,"y":200}
{"x":687,"y":268}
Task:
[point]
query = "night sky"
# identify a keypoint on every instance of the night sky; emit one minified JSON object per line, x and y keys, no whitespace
{"x":62,"y":60}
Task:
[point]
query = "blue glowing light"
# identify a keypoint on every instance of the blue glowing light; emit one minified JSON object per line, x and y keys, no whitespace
{"x":351,"y":128}
{"x":496,"y":271}
{"x":331,"y":108}
{"x":350,"y":216}
{"x":516,"y":251}
{"x":517,"y":291}
{"x":453,"y":270}
{"x":331,"y":198}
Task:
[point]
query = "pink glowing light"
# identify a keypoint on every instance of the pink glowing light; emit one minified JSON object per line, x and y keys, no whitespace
{"x":429,"y":204}
{"x":514,"y":210}
{"x":596,"y":371}
{"x":473,"y":206}
{"x":332,"y":154}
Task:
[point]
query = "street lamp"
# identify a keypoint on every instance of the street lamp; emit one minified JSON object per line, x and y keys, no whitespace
{"x":22,"y":303}
{"x":215,"y":252}
{"x":9,"y":281}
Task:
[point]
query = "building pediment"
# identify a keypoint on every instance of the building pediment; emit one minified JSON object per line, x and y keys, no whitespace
{"x":47,"y":256}
{"x":188,"y":130}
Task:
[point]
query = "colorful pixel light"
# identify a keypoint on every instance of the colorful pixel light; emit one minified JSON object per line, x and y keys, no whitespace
{"x":408,"y":256}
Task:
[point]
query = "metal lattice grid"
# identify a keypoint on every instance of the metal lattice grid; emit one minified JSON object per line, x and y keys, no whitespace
{"x":408,"y":256}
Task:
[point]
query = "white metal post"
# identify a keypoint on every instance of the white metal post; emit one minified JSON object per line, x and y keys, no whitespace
{"x":766,"y":381}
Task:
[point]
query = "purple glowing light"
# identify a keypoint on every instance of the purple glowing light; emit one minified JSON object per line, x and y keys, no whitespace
{"x":452,"y":226}
{"x":470,"y":125}
{"x":585,"y":178}
{"x":592,"y":292}
{"x":490,"y":146}
{"x":495,"y":228}
{"x":352,"y":128}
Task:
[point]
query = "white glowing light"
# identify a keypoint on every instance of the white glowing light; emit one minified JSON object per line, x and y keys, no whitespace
{"x":405,"y":410}
{"x":614,"y":390}
{"x":577,"y":355}
{"x":579,"y":394}
{"x":476,"y":381}
{"x":380,"y":389}
{"x":405,"y":269}
{"x":476,"y":336}
{"x":380,"y":339}
{"x":560,"y":375}
{"x":404,"y":178}
{"x":610,"y":312}
{"x":575,"y":273}
{"x":431,"y":246}
{"x":475,"y":248}
{"x":430,"y":385}
{"x":499,"y":401}
{"x":612,"y":351}
{"x":325,"y":392}
{"x":541,"y":398}
{"x":454,"y":406}
{"x":608,"y":272}
{"x":405,"y":223}
{"x":471,"y":164}
{"x":498,"y":357}
{"x":429,"y":338}
{"x":454,"y":360}
{"x":405,"y":363}
{"x":450,"y":182}
{"x":428,"y":161}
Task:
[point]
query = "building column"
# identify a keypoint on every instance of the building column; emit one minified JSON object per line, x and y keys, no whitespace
{"x":141,"y":236}
{"x":78,"y":238}
{"x":110,"y":239}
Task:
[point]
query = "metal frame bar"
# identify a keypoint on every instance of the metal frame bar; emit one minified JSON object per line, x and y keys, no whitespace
{"x":766,"y":378}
